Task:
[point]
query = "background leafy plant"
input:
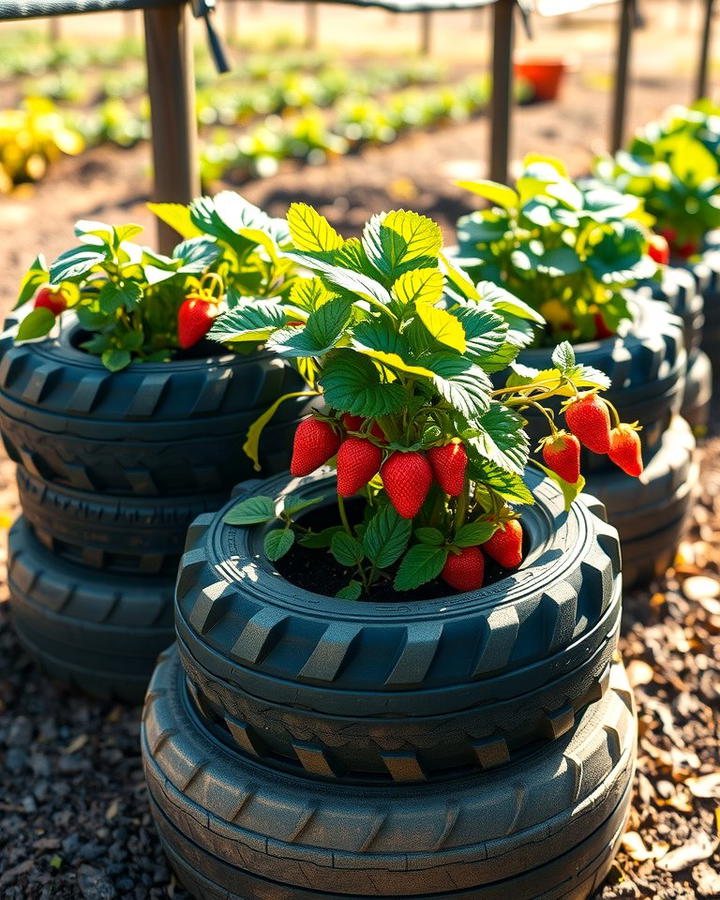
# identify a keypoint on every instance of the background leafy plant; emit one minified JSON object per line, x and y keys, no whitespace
{"x":568,"y":250}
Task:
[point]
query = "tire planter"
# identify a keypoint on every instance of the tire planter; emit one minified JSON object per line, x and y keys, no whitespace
{"x":398,"y":691}
{"x":706,"y":272}
{"x":98,"y":634}
{"x":546,"y":825}
{"x":153,"y":429}
{"x":679,"y":289}
{"x":651,"y":513}
{"x":112,"y":468}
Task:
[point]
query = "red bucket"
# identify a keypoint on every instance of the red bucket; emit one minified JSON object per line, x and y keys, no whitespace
{"x":545,"y":75}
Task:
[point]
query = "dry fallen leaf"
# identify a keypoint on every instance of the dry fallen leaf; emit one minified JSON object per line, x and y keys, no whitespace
{"x":700,"y":846}
{"x":705,"y":786}
{"x":698,"y":586}
{"x":639,"y":672}
{"x":634,"y":845}
{"x":76,"y":744}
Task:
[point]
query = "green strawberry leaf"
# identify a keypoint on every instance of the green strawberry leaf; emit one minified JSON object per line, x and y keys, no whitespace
{"x":462,"y":383}
{"x":36,"y":324}
{"x":351,"y":591}
{"x":294,"y":505}
{"x":325,"y":328}
{"x":386,"y":537}
{"x":116,"y":360}
{"x":278,"y":542}
{"x":310,"y":231}
{"x":244,"y":321}
{"x":352,"y":384}
{"x":473,"y":534}
{"x":430,"y":536}
{"x":348,"y":551}
{"x":422,"y":563}
{"x":251,"y":511}
{"x":319,"y":540}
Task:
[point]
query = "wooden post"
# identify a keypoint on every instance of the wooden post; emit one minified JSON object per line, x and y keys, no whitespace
{"x":54,"y":29}
{"x":171,"y":85}
{"x":625,"y":27}
{"x":130,"y":23}
{"x":502,"y":89}
{"x":425,"y":33}
{"x":701,"y":83}
{"x":231,"y":20}
{"x":311,"y":26}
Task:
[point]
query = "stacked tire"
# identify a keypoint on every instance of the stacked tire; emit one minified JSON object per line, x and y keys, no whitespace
{"x":647,"y":366}
{"x":681,"y":291}
{"x":112,"y":467}
{"x":302,"y":746}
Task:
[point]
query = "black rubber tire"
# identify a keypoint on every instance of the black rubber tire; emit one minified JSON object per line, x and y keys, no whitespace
{"x":679,"y":289}
{"x":399,"y":690}
{"x":698,"y":393}
{"x":89,"y":630}
{"x":646,"y":366}
{"x":115,"y":534}
{"x":707,"y":276}
{"x":650,"y":513}
{"x":153,"y":429}
{"x":543,"y":827}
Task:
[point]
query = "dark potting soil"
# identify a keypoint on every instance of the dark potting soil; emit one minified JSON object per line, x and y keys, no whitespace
{"x":318,"y":571}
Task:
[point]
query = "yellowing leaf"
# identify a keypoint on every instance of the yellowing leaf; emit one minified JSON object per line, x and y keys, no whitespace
{"x":310,"y":294}
{"x":311,"y":232}
{"x":396,"y":362}
{"x":251,"y":447}
{"x":498,"y":194}
{"x":442,"y":326}
{"x":419,"y":286}
{"x":556,"y":164}
{"x":176,"y":216}
{"x":419,"y":236}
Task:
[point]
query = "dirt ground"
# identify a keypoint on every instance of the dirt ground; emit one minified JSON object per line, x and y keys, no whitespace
{"x":74,"y":811}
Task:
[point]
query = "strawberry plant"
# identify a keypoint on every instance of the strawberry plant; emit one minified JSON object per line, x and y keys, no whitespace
{"x":673,"y":165}
{"x":567,"y":250}
{"x":399,"y":345}
{"x":135,"y":304}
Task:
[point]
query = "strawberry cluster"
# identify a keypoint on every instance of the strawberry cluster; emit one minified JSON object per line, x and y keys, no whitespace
{"x":407,"y":476}
{"x":588,"y":418}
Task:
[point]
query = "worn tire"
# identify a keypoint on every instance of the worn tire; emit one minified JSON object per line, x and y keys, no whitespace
{"x":398,"y":690}
{"x":679,"y":289}
{"x":115,"y":534}
{"x":543,"y":827}
{"x":650,"y":513}
{"x":154,"y":429}
{"x":646,"y":366}
{"x":706,"y":272}
{"x":90,"y":630}
{"x":698,"y":393}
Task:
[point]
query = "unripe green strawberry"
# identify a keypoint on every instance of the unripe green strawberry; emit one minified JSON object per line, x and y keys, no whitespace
{"x":357,"y":462}
{"x":562,"y":454}
{"x":315,"y":443}
{"x":465,"y":571}
{"x":589,"y":420}
{"x":407,"y":478}
{"x":449,"y":464}
{"x":625,"y":449}
{"x":505,"y":546}
{"x":47,"y":298}
{"x":195,"y":318}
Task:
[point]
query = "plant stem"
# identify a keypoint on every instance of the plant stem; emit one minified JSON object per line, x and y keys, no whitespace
{"x":343,"y":515}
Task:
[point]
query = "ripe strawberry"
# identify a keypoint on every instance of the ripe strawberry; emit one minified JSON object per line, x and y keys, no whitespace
{"x":449,"y":464}
{"x":355,"y":423}
{"x":465,"y":571}
{"x":505,"y":546}
{"x":625,"y":450}
{"x":407,"y":478}
{"x":357,"y":462}
{"x":658,"y":249}
{"x":315,"y":443}
{"x":589,"y":420}
{"x":49,"y":299}
{"x":562,"y":455}
{"x":601,"y":329}
{"x":682,"y":250}
{"x":195,"y":317}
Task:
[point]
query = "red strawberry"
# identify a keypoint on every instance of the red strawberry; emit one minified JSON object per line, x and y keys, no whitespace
{"x":625,"y":450}
{"x":465,"y":571}
{"x":562,"y":454}
{"x":355,"y":423}
{"x":357,"y":462}
{"x":658,"y":249}
{"x":449,"y":464}
{"x":505,"y":546}
{"x":601,"y":329}
{"x":49,"y":299}
{"x":195,"y":317}
{"x":682,"y":250}
{"x":407,"y":478}
{"x":589,"y":420}
{"x":314,"y":444}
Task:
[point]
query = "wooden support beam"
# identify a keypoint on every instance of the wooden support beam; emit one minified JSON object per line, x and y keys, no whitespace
{"x":311,"y":26}
{"x":171,"y":85}
{"x":425,"y":33}
{"x":501,"y":101}
{"x":626,"y":21}
{"x":701,"y":82}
